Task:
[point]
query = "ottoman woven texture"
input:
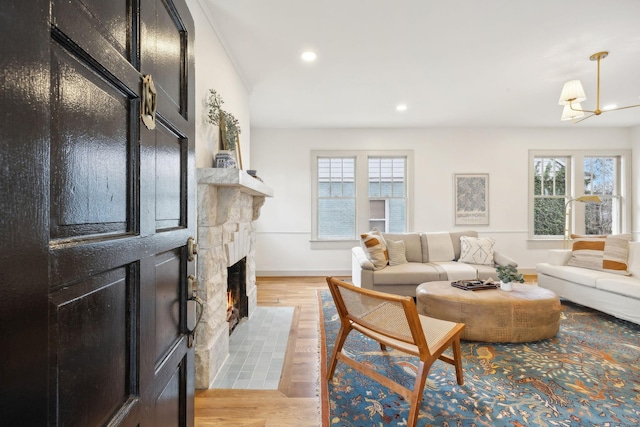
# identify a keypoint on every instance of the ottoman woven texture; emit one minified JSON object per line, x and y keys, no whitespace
{"x":528,"y":313}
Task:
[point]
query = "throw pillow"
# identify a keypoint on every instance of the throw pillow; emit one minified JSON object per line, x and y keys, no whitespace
{"x":608,"y":253}
{"x":396,"y":251}
{"x":476,"y":250}
{"x":375,"y":247}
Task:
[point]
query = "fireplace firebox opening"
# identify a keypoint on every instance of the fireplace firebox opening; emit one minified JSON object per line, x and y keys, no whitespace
{"x":237,"y":300}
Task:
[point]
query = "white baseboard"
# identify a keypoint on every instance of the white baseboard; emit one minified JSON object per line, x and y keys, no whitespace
{"x":341,"y":273}
{"x":302,"y":273}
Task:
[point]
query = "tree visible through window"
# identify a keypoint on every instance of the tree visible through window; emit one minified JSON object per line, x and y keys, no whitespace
{"x":550,"y":190}
{"x":553,"y":179}
{"x":600,"y":178}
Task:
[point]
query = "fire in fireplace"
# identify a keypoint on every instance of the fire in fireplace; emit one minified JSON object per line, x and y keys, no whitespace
{"x":237,"y":300}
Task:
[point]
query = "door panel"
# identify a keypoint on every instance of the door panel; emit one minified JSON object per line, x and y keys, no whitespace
{"x":169,"y":405}
{"x":171,"y":173}
{"x":170,"y":55}
{"x":168,"y":275}
{"x":90,"y":150}
{"x":165,"y":20}
{"x":90,"y":317}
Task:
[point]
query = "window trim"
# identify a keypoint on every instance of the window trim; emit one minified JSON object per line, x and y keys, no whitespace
{"x":575,"y":170}
{"x":361,"y":186}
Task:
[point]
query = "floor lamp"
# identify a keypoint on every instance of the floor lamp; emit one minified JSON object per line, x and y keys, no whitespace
{"x":567,"y":217}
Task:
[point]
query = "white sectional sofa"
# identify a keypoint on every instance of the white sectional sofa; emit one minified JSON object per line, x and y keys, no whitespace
{"x":614,"y":294}
{"x":430,"y":257}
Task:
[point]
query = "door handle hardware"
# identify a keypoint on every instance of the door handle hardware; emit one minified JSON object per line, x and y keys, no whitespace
{"x":195,"y":309}
{"x":192,"y":249}
{"x":149,"y":102}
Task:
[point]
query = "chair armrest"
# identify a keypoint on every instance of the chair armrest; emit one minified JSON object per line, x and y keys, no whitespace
{"x":501,"y":259}
{"x":559,"y":256}
{"x":361,"y":258}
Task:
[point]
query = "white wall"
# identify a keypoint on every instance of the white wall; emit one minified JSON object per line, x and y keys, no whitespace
{"x":215,"y":70}
{"x":635,"y":169}
{"x":282,"y":158}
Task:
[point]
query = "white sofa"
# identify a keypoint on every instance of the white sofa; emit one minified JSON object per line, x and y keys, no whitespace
{"x":431,"y":257}
{"x":610,"y":293}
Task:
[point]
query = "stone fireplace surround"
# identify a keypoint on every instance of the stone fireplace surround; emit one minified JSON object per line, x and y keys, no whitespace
{"x":229,"y":202}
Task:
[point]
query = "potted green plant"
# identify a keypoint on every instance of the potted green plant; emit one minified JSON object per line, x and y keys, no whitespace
{"x":229,"y":125}
{"x":508,"y":274}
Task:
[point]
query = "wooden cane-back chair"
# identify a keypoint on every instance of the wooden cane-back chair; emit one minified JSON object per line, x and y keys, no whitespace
{"x":393,"y":321}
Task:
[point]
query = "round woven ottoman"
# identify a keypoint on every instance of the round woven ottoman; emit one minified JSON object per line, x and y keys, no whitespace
{"x":528,"y":313}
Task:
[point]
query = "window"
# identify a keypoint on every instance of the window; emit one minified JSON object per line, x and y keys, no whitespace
{"x":558,"y":177}
{"x":387,"y":198}
{"x":550,"y":185}
{"x":601,"y":178}
{"x":336,"y":198}
{"x":356,"y":191}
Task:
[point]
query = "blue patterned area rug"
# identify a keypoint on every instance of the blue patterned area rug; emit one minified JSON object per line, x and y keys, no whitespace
{"x":588,"y":375}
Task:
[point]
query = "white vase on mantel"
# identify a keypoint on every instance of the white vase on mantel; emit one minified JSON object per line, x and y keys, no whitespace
{"x":506,"y":286}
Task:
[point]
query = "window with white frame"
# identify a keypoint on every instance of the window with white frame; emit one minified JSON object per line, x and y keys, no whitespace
{"x":336,"y":198}
{"x":387,"y":194}
{"x":557,"y":177}
{"x":355,"y":191}
{"x":602,"y":179}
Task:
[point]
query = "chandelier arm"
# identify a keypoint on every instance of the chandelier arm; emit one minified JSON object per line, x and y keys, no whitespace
{"x":621,"y":108}
{"x":584,"y":118}
{"x":584,"y":111}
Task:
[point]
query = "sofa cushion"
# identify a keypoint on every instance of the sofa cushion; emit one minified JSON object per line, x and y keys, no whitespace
{"x":412,"y":247}
{"x":457,"y":270}
{"x":633,"y":261}
{"x":597,"y":253}
{"x":626,"y":286}
{"x":411,"y":273}
{"x":437,"y":247}
{"x":476,"y":250}
{"x":396,"y":251}
{"x":578,"y":275}
{"x":375,"y":248}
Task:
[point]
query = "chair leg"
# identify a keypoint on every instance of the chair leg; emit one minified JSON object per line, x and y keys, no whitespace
{"x":340,"y":339}
{"x":457,"y":358}
{"x":416,"y":394}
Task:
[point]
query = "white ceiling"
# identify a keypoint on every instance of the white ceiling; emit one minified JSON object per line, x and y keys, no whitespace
{"x":455,"y":63}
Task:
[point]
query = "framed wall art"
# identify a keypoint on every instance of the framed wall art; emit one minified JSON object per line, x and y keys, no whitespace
{"x":471,"y":198}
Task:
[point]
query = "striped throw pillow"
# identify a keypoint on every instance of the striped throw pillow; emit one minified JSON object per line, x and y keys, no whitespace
{"x":375,"y":247}
{"x":608,"y":253}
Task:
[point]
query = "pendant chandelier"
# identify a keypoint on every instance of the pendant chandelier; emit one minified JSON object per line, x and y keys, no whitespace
{"x":573,"y":94}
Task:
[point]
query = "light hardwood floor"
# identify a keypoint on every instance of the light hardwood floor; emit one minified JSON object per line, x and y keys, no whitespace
{"x":297,"y":401}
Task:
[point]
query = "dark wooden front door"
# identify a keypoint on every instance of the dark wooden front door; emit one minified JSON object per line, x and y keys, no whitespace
{"x":97,"y":210}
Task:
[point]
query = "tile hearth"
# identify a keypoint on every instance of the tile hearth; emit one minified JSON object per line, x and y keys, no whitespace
{"x":257,"y":349}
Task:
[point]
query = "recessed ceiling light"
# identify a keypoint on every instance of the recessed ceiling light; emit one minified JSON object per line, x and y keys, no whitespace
{"x":401,"y":107}
{"x":309,"y":56}
{"x":609,"y":107}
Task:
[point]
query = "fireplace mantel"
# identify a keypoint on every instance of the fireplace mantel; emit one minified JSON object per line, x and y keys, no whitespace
{"x":232,"y":177}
